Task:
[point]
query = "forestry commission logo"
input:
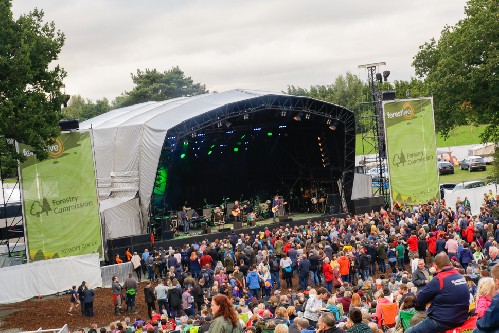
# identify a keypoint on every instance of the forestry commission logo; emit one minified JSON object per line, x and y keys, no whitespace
{"x":55,"y":150}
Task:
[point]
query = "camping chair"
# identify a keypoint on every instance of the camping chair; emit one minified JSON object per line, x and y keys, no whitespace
{"x":468,"y":326}
{"x":388,"y":315}
{"x":405,"y":318}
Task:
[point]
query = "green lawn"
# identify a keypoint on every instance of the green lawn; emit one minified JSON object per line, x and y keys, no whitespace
{"x":459,"y":136}
{"x":460,"y":176}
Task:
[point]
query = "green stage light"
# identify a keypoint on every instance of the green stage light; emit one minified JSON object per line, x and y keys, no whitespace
{"x":269,"y":133}
{"x":244,"y":135}
{"x":210,"y":152}
{"x":236,"y":149}
{"x":239,"y":143}
{"x":186,"y":143}
{"x":182,"y":156}
{"x":212,"y":146}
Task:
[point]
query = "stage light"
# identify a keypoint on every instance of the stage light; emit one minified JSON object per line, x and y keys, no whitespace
{"x":228,"y":124}
{"x":283,"y":113}
{"x":269,"y":133}
{"x":319,"y":138}
{"x":307,"y":116}
{"x":386,"y":74}
{"x":182,"y":156}
{"x":212,"y":146}
{"x":320,"y":144}
{"x":257,"y":129}
{"x":246,"y":117}
{"x":298,"y":117}
{"x":193,"y":135}
{"x":282,"y":126}
{"x":328,"y":122}
{"x":236,"y":150}
{"x":186,"y":143}
{"x":379,"y":77}
{"x":333,"y":125}
{"x":243,"y":136}
{"x":210,"y":152}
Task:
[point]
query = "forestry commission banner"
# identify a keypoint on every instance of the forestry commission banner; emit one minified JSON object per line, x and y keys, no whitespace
{"x":60,"y":199}
{"x":411,"y":150}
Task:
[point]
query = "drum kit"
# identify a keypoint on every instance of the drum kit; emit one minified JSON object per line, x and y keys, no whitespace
{"x":318,"y":204}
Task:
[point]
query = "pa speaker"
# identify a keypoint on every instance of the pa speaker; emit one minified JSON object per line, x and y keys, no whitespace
{"x":238,"y":225}
{"x":285,"y":218}
{"x":165,"y":235}
{"x":68,"y":124}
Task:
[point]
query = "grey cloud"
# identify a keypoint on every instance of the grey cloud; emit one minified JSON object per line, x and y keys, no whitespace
{"x":257,"y":44}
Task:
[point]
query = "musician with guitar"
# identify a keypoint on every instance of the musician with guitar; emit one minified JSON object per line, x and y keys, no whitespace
{"x":236,"y":211}
{"x":277,"y":204}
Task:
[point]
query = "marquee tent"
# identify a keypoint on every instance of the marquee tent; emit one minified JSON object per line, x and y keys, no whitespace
{"x":128,"y":143}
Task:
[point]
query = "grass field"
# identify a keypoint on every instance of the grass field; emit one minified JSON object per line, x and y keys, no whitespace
{"x":459,"y":136}
{"x":461,"y":176}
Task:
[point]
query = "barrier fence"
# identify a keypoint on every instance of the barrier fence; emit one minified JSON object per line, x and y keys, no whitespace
{"x":121,"y":271}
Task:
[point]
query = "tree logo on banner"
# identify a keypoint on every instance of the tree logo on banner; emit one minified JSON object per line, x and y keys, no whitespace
{"x":38,"y":208}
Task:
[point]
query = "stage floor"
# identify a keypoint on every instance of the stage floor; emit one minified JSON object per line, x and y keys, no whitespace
{"x":266,"y":222}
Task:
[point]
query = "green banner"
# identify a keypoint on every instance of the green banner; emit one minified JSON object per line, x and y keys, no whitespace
{"x":60,"y":199}
{"x":411,"y":150}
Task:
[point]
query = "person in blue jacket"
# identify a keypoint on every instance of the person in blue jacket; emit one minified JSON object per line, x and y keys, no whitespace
{"x":253,"y":282}
{"x":449,"y":296}
{"x":490,"y":320}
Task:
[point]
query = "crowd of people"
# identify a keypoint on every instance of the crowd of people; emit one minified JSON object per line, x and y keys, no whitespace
{"x":427,"y":268}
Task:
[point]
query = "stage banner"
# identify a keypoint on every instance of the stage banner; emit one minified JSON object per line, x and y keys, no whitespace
{"x":60,"y":199}
{"x":411,"y":150}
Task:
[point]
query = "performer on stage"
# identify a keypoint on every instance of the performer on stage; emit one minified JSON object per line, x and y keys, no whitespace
{"x":276,"y":206}
{"x":248,"y":208}
{"x":236,"y":211}
{"x":185,"y":220}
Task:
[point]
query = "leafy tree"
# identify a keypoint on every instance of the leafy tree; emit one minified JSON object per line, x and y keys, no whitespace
{"x":30,"y":92}
{"x":348,"y":91}
{"x":151,"y":85}
{"x":83,"y":109}
{"x":460,"y":70}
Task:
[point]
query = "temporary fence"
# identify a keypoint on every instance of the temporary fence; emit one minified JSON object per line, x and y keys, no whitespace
{"x":48,"y":277}
{"x":120,"y":271}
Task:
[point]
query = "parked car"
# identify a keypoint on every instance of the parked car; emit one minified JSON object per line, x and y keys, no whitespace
{"x":473,"y":163}
{"x":446,"y":188}
{"x":467,"y":185}
{"x":445,"y":167}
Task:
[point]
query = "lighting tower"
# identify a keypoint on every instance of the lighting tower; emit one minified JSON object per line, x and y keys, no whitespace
{"x":373,"y":136}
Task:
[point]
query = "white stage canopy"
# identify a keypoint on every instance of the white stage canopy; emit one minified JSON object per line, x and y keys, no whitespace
{"x":127,"y":145}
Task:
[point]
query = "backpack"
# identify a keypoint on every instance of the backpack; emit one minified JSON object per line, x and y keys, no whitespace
{"x":207,"y":277}
{"x":274,"y":265}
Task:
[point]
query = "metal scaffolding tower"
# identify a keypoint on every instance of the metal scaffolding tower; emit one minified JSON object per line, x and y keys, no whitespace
{"x":373,"y":134}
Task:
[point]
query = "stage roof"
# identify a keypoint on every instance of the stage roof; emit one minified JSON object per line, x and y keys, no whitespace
{"x":128,"y":143}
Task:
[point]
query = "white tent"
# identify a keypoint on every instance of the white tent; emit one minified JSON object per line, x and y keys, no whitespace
{"x":128,"y":143}
{"x":127,"y":146}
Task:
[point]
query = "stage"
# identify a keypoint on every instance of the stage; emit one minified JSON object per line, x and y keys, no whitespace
{"x":140,"y":242}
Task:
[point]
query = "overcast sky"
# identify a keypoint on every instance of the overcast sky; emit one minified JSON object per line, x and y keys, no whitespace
{"x":257,"y":44}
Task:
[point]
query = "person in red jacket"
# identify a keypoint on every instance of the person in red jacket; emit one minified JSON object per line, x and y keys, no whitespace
{"x":206,"y":259}
{"x":470,"y":233}
{"x":432,"y":244}
{"x":413,"y":244}
{"x":327,"y":270}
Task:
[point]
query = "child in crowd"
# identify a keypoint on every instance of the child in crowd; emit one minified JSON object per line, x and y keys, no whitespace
{"x":486,"y":291}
